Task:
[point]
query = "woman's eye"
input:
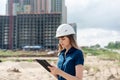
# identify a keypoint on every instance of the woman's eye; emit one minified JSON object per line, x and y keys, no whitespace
{"x":63,"y":38}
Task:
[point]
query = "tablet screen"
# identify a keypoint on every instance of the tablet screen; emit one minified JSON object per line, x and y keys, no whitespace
{"x":44,"y":63}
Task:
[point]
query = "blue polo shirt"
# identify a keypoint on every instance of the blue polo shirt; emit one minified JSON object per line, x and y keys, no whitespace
{"x":68,"y":62}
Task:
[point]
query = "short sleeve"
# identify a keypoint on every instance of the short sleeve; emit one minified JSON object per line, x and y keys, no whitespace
{"x":79,"y":58}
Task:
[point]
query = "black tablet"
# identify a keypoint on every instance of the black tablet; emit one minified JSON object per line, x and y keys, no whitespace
{"x":44,"y":63}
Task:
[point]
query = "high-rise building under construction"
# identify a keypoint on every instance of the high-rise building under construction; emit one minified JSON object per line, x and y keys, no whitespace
{"x":30,"y":30}
{"x":38,"y":6}
{"x":31,"y":23}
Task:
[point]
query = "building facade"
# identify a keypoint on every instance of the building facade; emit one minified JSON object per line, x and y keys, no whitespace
{"x":37,"y":29}
{"x":74,"y":25}
{"x":33,"y":22}
{"x":37,"y":6}
{"x":4,"y":32}
{"x":30,"y":30}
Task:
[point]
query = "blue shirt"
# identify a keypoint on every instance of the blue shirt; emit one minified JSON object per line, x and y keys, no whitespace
{"x":68,"y":62}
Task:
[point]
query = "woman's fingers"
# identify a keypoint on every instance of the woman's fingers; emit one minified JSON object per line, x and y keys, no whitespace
{"x":51,"y":68}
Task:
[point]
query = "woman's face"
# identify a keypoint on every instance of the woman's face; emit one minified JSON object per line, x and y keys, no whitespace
{"x":64,"y":41}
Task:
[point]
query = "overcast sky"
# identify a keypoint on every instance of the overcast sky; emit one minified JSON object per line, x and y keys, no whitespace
{"x":95,"y":13}
{"x":98,"y":21}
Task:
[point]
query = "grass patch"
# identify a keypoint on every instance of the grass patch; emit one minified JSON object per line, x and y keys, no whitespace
{"x":18,"y":60}
{"x":30,"y":60}
{"x":10,"y":53}
{"x":118,"y":63}
{"x":110,"y":56}
{"x":102,"y":53}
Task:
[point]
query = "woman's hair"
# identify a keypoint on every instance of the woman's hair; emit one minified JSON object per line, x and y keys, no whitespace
{"x":72,"y":42}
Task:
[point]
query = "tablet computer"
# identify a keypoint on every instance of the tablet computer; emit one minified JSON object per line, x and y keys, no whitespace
{"x":44,"y":63}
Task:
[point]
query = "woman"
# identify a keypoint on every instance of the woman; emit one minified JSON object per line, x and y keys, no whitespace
{"x":71,"y":60}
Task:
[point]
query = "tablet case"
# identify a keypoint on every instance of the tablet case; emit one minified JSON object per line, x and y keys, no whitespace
{"x":44,"y":63}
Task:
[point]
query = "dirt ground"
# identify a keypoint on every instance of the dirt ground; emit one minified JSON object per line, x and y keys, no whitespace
{"x":94,"y":69}
{"x":23,"y":71}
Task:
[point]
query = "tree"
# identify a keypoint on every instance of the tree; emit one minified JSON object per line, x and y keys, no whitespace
{"x":95,"y":46}
{"x":112,"y":45}
{"x":117,"y":44}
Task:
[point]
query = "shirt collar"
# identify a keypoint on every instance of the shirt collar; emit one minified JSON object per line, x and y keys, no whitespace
{"x":72,"y":49}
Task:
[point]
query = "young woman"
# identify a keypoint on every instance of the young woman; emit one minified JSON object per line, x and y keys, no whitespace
{"x":71,"y":60}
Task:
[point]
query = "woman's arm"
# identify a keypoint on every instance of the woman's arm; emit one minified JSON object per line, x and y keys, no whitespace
{"x":56,"y":76}
{"x":79,"y":73}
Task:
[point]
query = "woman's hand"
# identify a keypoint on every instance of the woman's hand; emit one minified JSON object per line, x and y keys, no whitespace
{"x":54,"y":70}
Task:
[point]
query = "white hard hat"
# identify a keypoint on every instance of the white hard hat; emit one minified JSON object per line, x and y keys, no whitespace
{"x":64,"y":30}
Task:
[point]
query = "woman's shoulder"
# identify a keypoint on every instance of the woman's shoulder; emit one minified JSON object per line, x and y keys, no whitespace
{"x":78,"y":52}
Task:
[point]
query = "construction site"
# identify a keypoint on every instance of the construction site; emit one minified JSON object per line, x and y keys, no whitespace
{"x":31,"y":23}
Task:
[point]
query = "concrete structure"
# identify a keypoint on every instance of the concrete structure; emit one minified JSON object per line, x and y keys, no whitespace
{"x":38,"y":6}
{"x":38,"y":29}
{"x":74,"y":25}
{"x":30,"y":30}
{"x":26,"y":15}
{"x":59,"y":6}
{"x":4,"y":32}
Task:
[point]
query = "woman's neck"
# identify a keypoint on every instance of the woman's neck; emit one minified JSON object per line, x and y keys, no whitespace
{"x":67,"y":48}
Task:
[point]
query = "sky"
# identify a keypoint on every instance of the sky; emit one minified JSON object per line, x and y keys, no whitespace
{"x":98,"y":21}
